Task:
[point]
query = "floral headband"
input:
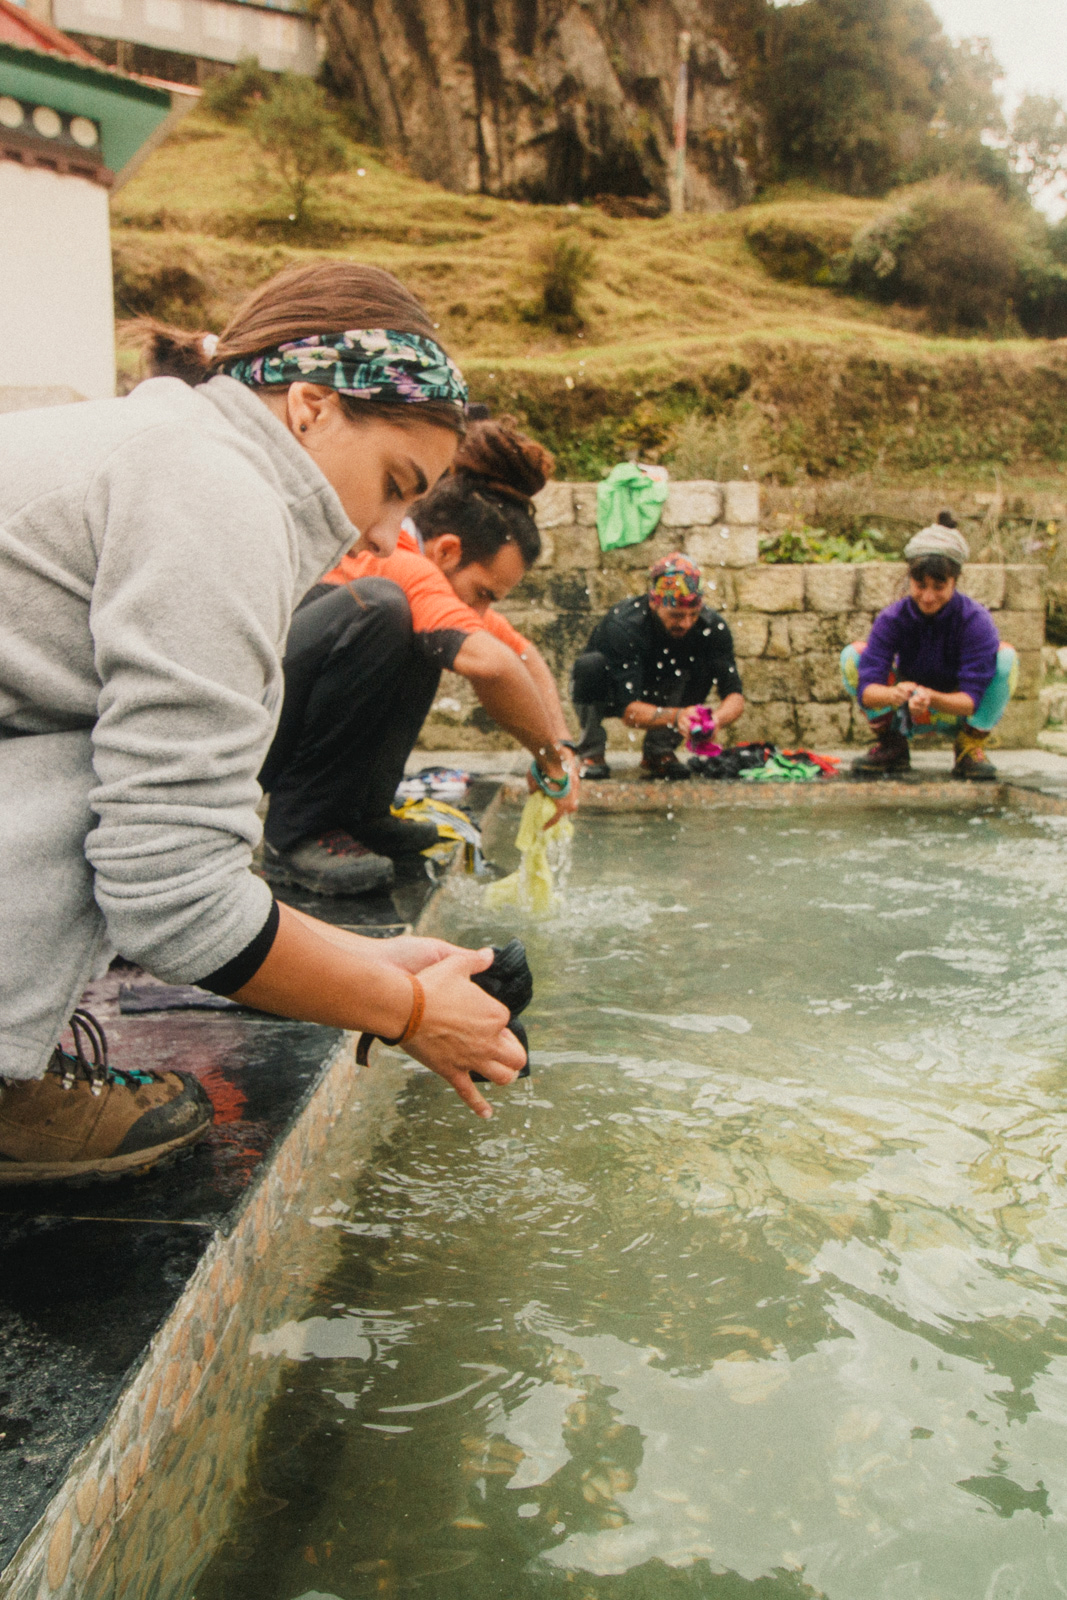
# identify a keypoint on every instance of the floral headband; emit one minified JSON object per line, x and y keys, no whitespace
{"x":366,"y":363}
{"x":675,"y":581}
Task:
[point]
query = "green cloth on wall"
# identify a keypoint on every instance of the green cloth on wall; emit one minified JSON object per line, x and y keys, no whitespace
{"x":628,"y":506}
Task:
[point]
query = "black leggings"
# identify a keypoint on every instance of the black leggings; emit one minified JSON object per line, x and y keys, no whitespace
{"x":357,"y":692}
{"x":596,"y":696}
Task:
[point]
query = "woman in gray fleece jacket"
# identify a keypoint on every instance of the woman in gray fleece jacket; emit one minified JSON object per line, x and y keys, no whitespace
{"x":152,"y":551}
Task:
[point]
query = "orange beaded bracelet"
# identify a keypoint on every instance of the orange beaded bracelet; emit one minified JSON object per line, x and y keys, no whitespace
{"x":414,"y":1023}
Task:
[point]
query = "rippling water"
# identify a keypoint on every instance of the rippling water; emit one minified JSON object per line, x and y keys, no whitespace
{"x":755,"y":1292}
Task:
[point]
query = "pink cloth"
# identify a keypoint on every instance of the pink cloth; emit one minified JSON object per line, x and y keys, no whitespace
{"x":701,"y":734}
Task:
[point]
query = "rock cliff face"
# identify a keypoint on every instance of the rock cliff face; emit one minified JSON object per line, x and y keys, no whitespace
{"x":550,"y":100}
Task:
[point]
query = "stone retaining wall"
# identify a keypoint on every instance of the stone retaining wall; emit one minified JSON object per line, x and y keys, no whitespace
{"x":789,"y":622}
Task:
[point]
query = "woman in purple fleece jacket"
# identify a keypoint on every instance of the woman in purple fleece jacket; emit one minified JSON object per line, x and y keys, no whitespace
{"x":934,"y":659}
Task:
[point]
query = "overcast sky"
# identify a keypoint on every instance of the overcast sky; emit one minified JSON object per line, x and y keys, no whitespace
{"x":1029,"y":39}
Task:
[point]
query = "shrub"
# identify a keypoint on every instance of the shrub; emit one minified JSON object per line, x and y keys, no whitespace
{"x":799,"y":251}
{"x":298,"y":134}
{"x":232,"y":95}
{"x":956,"y":250}
{"x":815,"y":544}
{"x":564,"y":265}
{"x":725,"y":448}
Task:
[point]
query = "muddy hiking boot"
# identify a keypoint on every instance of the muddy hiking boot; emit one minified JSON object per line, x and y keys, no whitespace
{"x":86,"y":1120}
{"x":891,"y":754}
{"x":972,"y":763}
{"x":334,"y":864}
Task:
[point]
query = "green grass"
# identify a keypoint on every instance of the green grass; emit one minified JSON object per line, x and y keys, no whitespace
{"x":680,"y":316}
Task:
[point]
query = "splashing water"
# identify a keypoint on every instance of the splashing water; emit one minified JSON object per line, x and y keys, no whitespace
{"x":544,"y":861}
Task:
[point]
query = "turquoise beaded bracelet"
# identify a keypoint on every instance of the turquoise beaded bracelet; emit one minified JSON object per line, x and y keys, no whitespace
{"x":555,"y":788}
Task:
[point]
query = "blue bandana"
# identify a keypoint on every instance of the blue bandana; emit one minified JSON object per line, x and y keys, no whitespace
{"x":366,"y":363}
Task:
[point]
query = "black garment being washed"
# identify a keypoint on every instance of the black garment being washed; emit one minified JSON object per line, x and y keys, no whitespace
{"x":357,"y":691}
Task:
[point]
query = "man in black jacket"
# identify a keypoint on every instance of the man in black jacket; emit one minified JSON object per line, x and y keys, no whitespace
{"x":653,"y":661}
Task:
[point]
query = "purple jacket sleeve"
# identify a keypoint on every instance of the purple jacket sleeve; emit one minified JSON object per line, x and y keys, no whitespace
{"x":979,"y":643}
{"x":876,"y":660}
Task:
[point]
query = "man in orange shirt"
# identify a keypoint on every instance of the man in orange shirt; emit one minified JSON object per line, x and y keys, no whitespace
{"x":364,"y":660}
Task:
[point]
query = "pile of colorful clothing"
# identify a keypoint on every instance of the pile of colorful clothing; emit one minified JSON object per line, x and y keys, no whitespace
{"x":764,"y":763}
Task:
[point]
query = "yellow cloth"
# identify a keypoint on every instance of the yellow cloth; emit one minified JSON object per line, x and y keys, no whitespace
{"x":532,"y":886}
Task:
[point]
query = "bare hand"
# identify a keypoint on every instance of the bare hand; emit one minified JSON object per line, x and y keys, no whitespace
{"x":685,"y":719}
{"x":900,"y":693}
{"x":566,"y":806}
{"x":464,"y":1030}
{"x":920,"y":701}
{"x":412,"y":954}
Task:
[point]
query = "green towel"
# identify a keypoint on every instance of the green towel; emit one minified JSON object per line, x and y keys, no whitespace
{"x":628,"y":506}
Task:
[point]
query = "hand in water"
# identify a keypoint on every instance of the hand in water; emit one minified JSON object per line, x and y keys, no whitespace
{"x":463,"y":1029}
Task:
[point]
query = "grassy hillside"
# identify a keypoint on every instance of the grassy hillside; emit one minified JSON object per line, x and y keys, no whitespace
{"x":679,"y":319}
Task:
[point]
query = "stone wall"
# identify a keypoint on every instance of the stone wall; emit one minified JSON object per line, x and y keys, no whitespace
{"x":789,"y":622}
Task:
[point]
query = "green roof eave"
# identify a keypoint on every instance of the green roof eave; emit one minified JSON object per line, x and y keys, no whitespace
{"x":128,"y":112}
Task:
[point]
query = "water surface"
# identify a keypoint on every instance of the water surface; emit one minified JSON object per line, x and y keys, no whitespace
{"x":755,"y":1292}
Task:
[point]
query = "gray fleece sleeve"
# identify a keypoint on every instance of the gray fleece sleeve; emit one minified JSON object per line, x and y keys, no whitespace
{"x":190,"y":608}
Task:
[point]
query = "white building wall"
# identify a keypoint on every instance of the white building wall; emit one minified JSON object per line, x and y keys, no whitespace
{"x":57,"y":317}
{"x":282,"y":36}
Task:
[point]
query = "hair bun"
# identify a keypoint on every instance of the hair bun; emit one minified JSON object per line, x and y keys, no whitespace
{"x":511,"y":460}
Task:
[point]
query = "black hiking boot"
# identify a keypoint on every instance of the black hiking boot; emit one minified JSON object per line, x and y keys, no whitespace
{"x":86,"y":1120}
{"x":891,"y":754}
{"x":334,"y":864}
{"x":972,"y":764}
{"x":594,"y":767}
{"x":398,"y":836}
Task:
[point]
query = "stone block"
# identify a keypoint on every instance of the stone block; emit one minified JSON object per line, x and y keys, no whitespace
{"x":858,"y":625}
{"x":776,"y":680}
{"x":1031,"y":675}
{"x":725,"y":545}
{"x":750,"y":632}
{"x":584,"y":504}
{"x":740,"y":502}
{"x":774,"y":721}
{"x":576,"y":547}
{"x":554,"y":506}
{"x":805,"y":632}
{"x":664,"y":542}
{"x":1019,"y":726}
{"x":608,"y":588}
{"x":824,"y":727}
{"x":1024,"y":629}
{"x":692,"y":505}
{"x":569,"y":590}
{"x":719,"y":589}
{"x":778,"y":647}
{"x":831,"y":587}
{"x":880,"y":583}
{"x":1024,"y":588}
{"x":824,"y":668}
{"x":771,"y":589}
{"x":985,"y":583}
{"x":547,"y":558}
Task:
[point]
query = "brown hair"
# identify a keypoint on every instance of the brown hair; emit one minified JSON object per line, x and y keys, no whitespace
{"x":326,"y":297}
{"x":486,"y":498}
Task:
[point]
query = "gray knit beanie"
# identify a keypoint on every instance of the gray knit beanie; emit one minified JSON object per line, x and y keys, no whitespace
{"x":938,"y":540}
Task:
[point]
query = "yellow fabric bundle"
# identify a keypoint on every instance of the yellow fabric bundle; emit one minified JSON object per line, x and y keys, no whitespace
{"x":532,"y":886}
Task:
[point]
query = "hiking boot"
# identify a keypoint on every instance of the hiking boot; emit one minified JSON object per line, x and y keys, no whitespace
{"x":398,"y":836}
{"x":332,"y":864}
{"x":86,"y":1120}
{"x":663,"y":764}
{"x":890,"y":754}
{"x":594,"y":768}
{"x":972,"y":763}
